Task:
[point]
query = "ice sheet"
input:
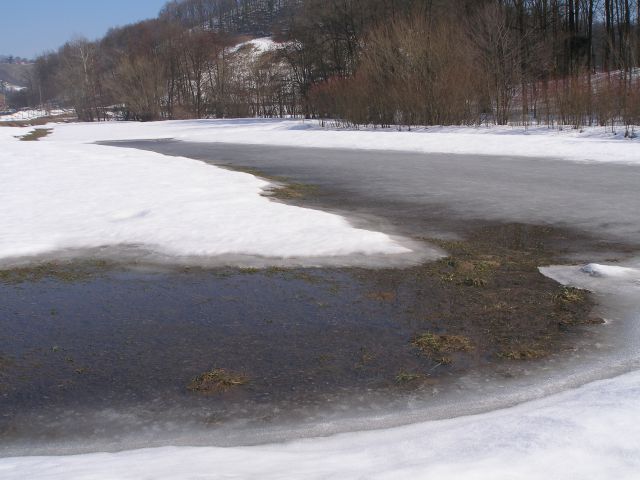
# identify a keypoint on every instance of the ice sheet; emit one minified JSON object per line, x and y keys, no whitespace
{"x":587,"y":433}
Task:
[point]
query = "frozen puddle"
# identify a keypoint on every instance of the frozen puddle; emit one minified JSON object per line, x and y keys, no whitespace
{"x":587,"y":433}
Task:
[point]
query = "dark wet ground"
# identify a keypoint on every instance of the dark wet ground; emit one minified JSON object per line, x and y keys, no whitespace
{"x":103,"y":337}
{"x":90,"y":337}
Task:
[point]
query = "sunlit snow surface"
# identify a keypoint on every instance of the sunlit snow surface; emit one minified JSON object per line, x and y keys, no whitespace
{"x":57,"y":196}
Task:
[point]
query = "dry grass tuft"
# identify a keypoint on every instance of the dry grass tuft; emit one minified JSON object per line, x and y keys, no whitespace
{"x":433,"y":345}
{"x":36,"y":134}
{"x":216,"y":381}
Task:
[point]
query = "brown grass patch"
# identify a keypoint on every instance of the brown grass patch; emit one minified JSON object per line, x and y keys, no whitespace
{"x":216,"y":381}
{"x":432,"y":344}
{"x":35,"y":135}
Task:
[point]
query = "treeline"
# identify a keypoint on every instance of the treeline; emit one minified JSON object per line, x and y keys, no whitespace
{"x":257,"y":17}
{"x":12,"y":59}
{"x":570,"y":62}
{"x":361,"y":62}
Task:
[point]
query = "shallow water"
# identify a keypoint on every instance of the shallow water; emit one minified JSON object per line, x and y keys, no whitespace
{"x":418,"y":193}
{"x":103,"y":363}
{"x":110,"y":352}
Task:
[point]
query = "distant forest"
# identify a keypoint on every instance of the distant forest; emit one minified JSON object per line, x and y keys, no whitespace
{"x":359,"y":62}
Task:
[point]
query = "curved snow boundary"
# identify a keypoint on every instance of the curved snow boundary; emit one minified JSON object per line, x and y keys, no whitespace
{"x":587,"y":433}
{"x":594,"y":144}
{"x":57,"y":197}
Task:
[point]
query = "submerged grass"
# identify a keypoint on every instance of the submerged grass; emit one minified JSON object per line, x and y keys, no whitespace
{"x":217,"y":380}
{"x":404,"y":377}
{"x":524,"y":354}
{"x":433,"y":345}
{"x":489,"y":288}
{"x":71,"y":272}
{"x":568,"y":295}
{"x":282,"y":188}
{"x":289,"y":191}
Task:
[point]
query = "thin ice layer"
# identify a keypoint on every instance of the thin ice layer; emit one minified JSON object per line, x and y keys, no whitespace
{"x":593,"y":144}
{"x":587,"y":433}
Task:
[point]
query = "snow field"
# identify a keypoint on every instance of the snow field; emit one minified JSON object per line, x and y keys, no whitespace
{"x":59,"y":196}
{"x":594,"y":144}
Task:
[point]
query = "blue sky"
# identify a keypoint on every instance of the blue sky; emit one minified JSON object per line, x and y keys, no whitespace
{"x":30,"y":27}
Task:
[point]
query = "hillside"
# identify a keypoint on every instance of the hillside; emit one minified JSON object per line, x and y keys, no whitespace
{"x":252,"y":17}
{"x":14,"y":73}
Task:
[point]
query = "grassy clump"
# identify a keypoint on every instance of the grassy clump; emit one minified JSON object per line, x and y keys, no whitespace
{"x":36,"y":134}
{"x":382,"y":296}
{"x":290,"y":191}
{"x":407,"y":377}
{"x":216,"y":381}
{"x":465,"y":269}
{"x":4,"y":362}
{"x":72,"y":272}
{"x":523,"y":354}
{"x":366,"y":358}
{"x":568,"y":295}
{"x":433,"y":345}
{"x":283,"y":189}
{"x":249,"y":270}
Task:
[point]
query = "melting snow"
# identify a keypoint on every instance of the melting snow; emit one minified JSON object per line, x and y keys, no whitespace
{"x":64,"y":196}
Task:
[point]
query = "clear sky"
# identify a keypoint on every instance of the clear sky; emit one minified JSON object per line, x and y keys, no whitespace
{"x":30,"y":27}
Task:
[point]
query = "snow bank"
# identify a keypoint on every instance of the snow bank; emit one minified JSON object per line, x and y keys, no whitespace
{"x":591,"y":144}
{"x":32,"y":115}
{"x":587,"y":433}
{"x":61,"y":196}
